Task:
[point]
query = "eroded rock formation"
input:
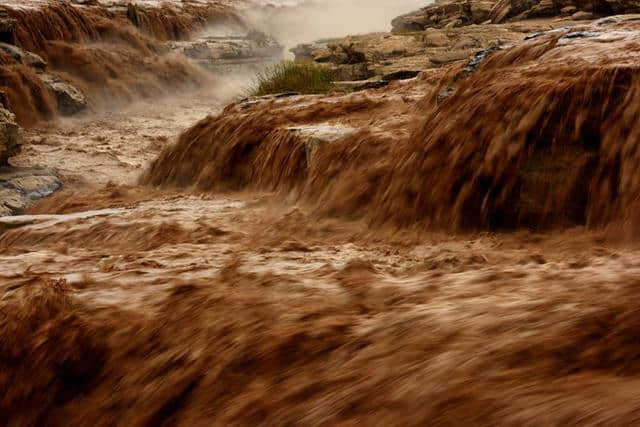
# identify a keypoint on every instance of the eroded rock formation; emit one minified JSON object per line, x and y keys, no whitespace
{"x":456,"y":13}
{"x":224,"y":53}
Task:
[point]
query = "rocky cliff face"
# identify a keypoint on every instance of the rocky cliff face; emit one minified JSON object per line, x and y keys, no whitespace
{"x":402,"y":55}
{"x":444,"y":14}
{"x":230,"y":53}
{"x":455,"y":13}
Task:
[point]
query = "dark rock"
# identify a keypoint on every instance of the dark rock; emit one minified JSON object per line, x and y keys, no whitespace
{"x":578,"y":35}
{"x":133,"y":15}
{"x":285,"y":95}
{"x":401,"y":75}
{"x":608,"y":21}
{"x":7,"y":29}
{"x":361,"y":85}
{"x":480,"y":57}
{"x":24,"y":57}
{"x":543,"y":33}
{"x":471,"y":67}
{"x":70,"y":100}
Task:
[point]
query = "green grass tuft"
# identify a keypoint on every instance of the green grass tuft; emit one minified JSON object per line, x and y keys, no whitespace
{"x":291,"y":76}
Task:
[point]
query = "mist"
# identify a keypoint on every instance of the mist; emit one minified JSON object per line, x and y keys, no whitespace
{"x":319,"y":19}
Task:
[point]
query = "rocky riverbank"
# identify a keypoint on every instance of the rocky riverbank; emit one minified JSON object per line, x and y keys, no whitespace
{"x":71,"y":58}
{"x":450,"y":241}
{"x":521,"y":165}
{"x":444,"y":33}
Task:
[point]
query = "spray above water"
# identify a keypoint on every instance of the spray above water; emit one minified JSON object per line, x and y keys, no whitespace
{"x":312,"y":20}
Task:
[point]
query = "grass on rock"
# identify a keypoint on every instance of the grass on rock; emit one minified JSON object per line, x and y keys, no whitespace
{"x":293,"y":76}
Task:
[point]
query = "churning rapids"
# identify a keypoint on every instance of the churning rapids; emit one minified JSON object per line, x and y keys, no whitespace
{"x":461,"y":249}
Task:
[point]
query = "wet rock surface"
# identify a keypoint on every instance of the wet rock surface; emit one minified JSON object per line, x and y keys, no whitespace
{"x":69,"y":99}
{"x":10,"y":136}
{"x":23,"y":57}
{"x":20,"y":187}
{"x":317,"y":135}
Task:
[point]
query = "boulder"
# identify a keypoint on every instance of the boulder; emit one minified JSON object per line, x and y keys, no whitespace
{"x":342,"y":54}
{"x":10,"y":137}
{"x":317,"y":135}
{"x":582,"y":16}
{"x":443,"y":14}
{"x":433,"y":37}
{"x":19,"y":187}
{"x":70,"y":100}
{"x":347,"y":62}
{"x":24,"y":57}
{"x":351,"y":72}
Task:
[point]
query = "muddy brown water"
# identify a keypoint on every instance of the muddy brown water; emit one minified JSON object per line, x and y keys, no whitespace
{"x":139,"y":306}
{"x":127,"y":304}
